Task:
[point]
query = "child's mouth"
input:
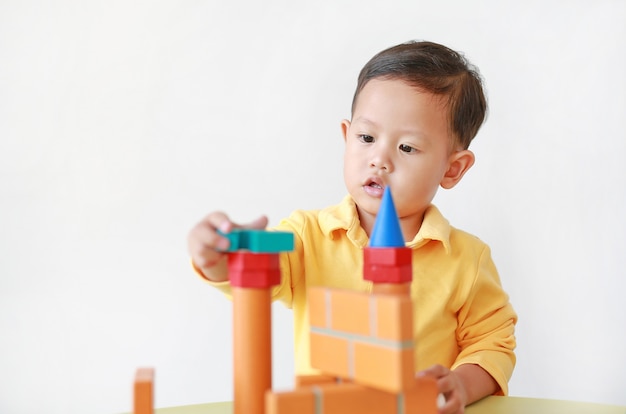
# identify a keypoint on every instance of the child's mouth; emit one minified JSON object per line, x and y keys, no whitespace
{"x":374,"y":188}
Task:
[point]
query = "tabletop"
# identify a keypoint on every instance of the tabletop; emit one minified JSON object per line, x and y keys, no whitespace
{"x":489,"y":405}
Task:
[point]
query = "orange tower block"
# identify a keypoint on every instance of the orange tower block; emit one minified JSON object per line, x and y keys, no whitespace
{"x":252,"y":275}
{"x":144,"y":391}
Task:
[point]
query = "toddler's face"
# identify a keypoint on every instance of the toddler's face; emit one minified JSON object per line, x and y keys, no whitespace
{"x":398,"y":137}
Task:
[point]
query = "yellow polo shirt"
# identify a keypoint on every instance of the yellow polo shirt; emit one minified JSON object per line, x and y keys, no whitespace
{"x":462,"y":314}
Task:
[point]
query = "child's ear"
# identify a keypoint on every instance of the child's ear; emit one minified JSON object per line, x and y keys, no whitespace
{"x":458,"y":164}
{"x":345,"y":126}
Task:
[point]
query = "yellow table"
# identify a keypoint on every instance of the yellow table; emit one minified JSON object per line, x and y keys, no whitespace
{"x":489,"y":405}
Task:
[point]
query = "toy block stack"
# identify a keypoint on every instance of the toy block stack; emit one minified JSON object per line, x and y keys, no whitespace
{"x":253,"y":268}
{"x":363,"y":343}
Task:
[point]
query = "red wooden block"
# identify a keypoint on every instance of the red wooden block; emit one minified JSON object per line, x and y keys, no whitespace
{"x":388,"y":256}
{"x":387,"y":264}
{"x":253,"y":270}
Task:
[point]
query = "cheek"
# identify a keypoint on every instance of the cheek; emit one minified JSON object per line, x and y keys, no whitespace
{"x":347,"y":167}
{"x":349,"y":159}
{"x":425,"y":181}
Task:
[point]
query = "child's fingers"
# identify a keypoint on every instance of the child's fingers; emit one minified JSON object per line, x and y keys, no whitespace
{"x":220,"y":221}
{"x":436,"y":371}
{"x":259,"y":223}
{"x":204,"y":242}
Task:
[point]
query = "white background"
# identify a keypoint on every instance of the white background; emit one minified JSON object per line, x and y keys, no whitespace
{"x":123,"y":122}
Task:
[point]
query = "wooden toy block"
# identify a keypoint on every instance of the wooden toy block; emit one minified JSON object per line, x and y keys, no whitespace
{"x":318,"y":298}
{"x":332,"y":355}
{"x":391,"y":289}
{"x":361,"y":313}
{"x":345,"y":398}
{"x":355,"y":398}
{"x":387,"y":231}
{"x":363,"y":337}
{"x":394,"y":318}
{"x":386,"y":259}
{"x":388,"y":256}
{"x":306,"y":380}
{"x":253,"y":270}
{"x":350,"y":312}
{"x":259,"y":241}
{"x":387,"y":365}
{"x":298,"y":401}
{"x":385,"y":368}
{"x":143,"y":402}
{"x":332,"y":399}
{"x":252,"y":349}
{"x":387,"y":265}
{"x":379,"y":274}
{"x":422,"y":398}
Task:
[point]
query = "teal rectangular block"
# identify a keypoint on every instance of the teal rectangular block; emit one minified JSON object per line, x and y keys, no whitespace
{"x":260,"y":241}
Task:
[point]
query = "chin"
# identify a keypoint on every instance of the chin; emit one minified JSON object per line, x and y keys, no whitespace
{"x":367,"y":204}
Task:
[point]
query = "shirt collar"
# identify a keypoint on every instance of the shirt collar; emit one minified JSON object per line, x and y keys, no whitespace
{"x":343,"y":216}
{"x":434,"y":227}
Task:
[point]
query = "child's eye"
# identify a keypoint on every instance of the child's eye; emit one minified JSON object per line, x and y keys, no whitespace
{"x":366,"y":138}
{"x":406,"y":148}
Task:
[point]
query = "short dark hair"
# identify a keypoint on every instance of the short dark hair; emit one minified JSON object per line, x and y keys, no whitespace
{"x":439,"y":70}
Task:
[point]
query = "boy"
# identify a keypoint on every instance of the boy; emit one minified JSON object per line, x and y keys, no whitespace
{"x":416,"y":108}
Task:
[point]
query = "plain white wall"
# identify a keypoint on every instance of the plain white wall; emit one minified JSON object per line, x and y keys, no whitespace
{"x":123,"y":123}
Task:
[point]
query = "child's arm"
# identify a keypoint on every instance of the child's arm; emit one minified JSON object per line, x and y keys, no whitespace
{"x":206,"y":247}
{"x":486,"y":339}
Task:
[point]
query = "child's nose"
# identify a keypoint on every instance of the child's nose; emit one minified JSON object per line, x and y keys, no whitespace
{"x":381,"y":160}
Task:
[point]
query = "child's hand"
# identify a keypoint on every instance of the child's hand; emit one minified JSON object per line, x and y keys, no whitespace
{"x":451,"y":387}
{"x":466,"y":384}
{"x":207,"y":247}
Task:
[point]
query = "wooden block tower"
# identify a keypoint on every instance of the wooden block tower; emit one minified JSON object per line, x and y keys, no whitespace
{"x":253,"y":268}
{"x":387,"y":262}
{"x":363,"y":343}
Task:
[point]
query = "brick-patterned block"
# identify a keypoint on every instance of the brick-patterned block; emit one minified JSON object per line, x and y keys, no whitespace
{"x":367,"y":338}
{"x":420,"y":397}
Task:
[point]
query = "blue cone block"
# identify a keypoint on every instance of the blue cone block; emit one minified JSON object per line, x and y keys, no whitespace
{"x":387,"y":232}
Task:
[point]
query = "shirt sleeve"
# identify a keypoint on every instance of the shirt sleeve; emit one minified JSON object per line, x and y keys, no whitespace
{"x":486,"y":325}
{"x":292,"y":263}
{"x":224,"y":287}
